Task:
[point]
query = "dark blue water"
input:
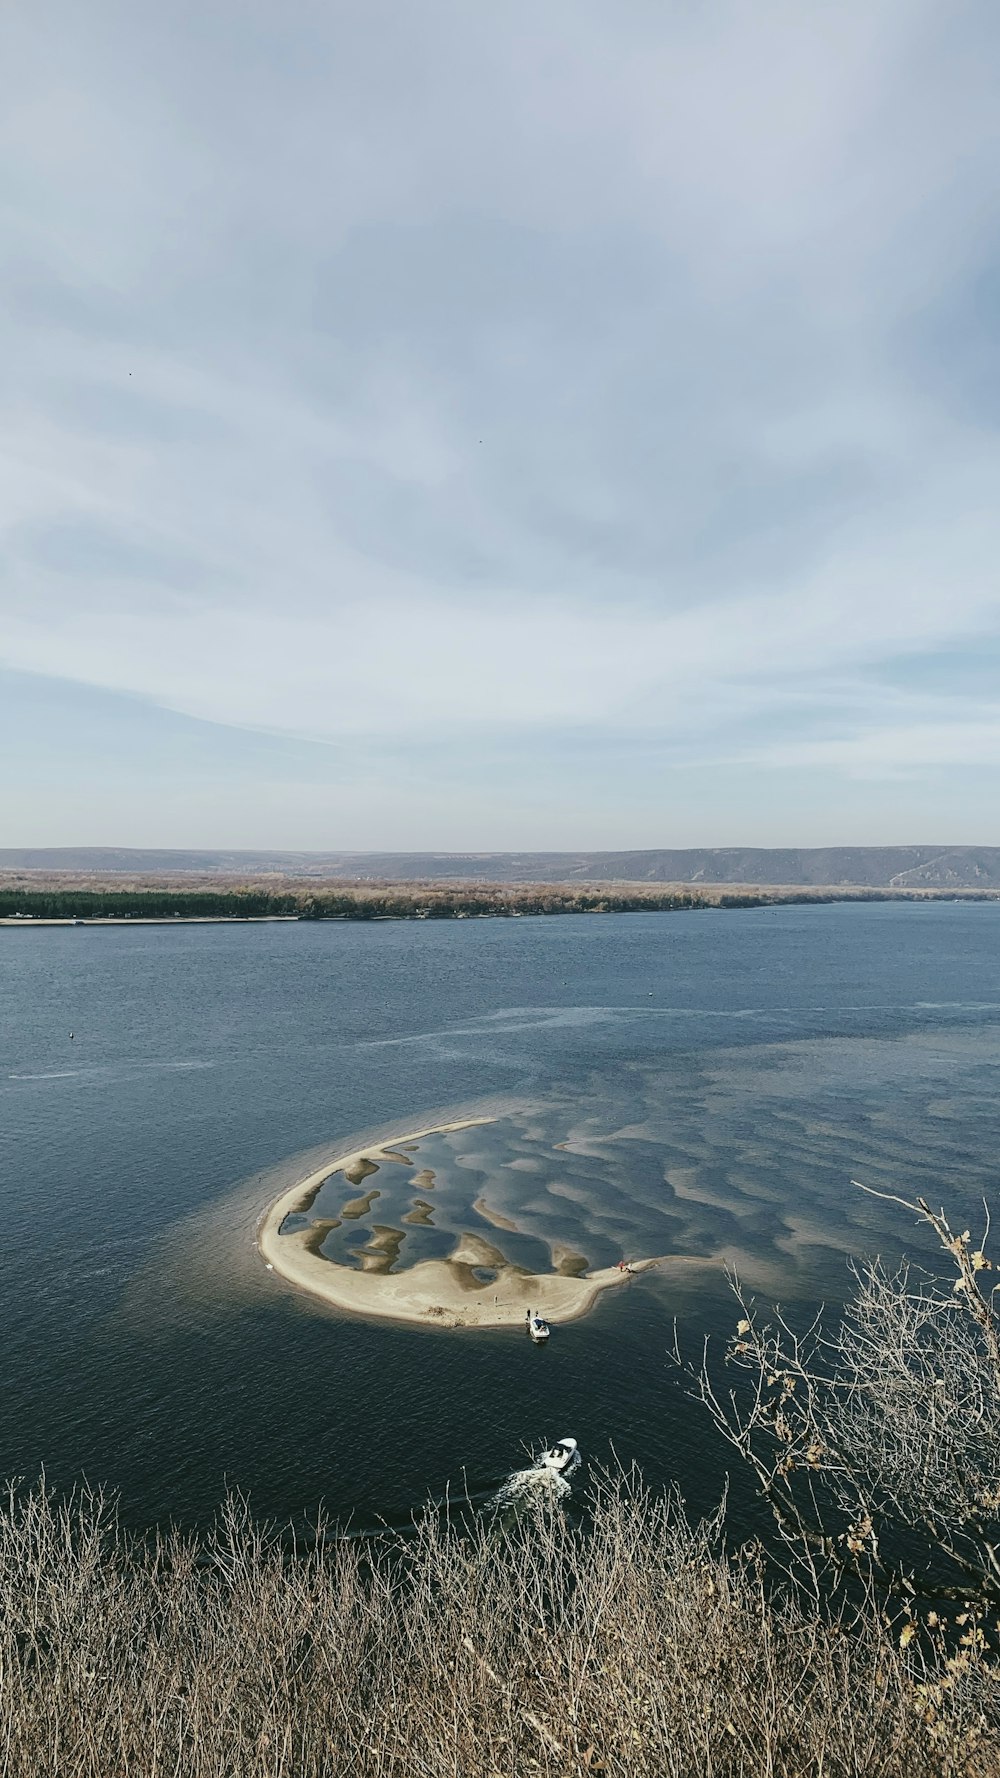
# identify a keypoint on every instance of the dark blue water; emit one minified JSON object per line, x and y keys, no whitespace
{"x":700,"y":1084}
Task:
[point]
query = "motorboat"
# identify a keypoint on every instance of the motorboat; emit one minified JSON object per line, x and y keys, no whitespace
{"x":538,"y":1328}
{"x":562,"y":1457}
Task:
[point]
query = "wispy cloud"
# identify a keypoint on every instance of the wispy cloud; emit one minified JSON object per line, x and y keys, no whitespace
{"x":897,"y":749}
{"x":504,"y":377}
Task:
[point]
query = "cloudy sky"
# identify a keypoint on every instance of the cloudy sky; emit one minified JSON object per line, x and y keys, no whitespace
{"x":545,"y":423}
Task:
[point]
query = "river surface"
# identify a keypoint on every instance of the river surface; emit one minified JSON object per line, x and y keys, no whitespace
{"x":704,"y":1084}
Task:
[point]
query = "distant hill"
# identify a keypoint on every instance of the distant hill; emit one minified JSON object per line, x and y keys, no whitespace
{"x":874,"y":867}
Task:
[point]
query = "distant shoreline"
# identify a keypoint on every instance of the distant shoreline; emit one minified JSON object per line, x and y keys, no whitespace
{"x":262,"y":904}
{"x":32,"y":920}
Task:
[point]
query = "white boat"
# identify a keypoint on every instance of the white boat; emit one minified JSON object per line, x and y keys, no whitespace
{"x":538,"y":1328}
{"x":563,"y":1456}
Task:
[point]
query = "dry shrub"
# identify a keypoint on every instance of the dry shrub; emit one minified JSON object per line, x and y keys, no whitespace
{"x":631,"y":1645}
{"x":876,"y":1443}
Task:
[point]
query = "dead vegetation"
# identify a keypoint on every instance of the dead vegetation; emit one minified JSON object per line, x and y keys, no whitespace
{"x":877,"y":1448}
{"x":635,"y":1647}
{"x":877,"y":1445}
{"x":627,"y":1642}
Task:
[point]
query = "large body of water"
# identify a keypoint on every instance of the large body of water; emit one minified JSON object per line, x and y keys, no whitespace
{"x":703,"y":1083}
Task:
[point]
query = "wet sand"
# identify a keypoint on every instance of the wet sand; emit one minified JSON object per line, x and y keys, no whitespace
{"x":476,"y":1286}
{"x":493,"y":1216}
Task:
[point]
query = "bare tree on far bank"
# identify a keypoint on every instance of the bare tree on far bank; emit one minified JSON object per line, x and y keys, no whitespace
{"x":41,"y":898}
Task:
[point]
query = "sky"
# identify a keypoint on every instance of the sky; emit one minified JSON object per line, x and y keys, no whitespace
{"x":447,"y":426}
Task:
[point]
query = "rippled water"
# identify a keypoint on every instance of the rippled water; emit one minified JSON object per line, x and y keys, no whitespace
{"x":704,"y":1085}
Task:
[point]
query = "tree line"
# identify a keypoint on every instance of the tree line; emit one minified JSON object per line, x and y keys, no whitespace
{"x":364,"y":902}
{"x":395,"y":901}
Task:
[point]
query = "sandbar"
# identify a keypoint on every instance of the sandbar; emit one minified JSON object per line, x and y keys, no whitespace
{"x":493,"y":1216}
{"x":476,"y":1286}
{"x":355,"y":1208}
{"x":421,"y":1214}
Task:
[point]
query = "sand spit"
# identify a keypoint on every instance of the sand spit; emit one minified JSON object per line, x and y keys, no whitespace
{"x":420,"y":1214}
{"x":475,"y":1287}
{"x":493,"y":1216}
{"x":33,"y":920}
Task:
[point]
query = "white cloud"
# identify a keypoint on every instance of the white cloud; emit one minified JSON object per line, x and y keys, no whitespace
{"x":482,"y":372}
{"x":898,"y":750}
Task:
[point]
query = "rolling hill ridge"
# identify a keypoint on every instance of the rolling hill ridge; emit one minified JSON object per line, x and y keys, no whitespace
{"x":875,"y":867}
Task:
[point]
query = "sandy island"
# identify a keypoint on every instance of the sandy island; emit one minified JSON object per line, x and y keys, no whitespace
{"x":455,"y":1292}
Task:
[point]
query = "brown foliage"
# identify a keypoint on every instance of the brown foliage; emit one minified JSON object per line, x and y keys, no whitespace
{"x":877,"y":1445}
{"x":634,"y":1647}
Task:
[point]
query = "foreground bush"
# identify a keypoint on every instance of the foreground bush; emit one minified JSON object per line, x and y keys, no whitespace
{"x":633,"y":1646}
{"x":877,"y":1444}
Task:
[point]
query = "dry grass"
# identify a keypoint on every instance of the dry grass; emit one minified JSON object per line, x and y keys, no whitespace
{"x":635,"y":1646}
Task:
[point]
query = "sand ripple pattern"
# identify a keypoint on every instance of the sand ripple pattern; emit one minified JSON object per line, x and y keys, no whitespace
{"x":735,"y":1158}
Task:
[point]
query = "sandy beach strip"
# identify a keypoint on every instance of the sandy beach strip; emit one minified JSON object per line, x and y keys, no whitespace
{"x":493,"y":1216}
{"x":26,"y":923}
{"x":435,"y":1292}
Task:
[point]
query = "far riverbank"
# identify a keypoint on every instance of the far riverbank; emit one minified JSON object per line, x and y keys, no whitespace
{"x":151,"y":903}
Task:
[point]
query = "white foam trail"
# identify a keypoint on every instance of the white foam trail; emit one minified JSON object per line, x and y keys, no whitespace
{"x":540,"y":1482}
{"x":526,"y":1485}
{"x":61,"y":1074}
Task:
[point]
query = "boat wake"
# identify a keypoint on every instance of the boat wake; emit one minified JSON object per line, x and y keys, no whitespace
{"x":531,"y":1485}
{"x":546,"y":1481}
